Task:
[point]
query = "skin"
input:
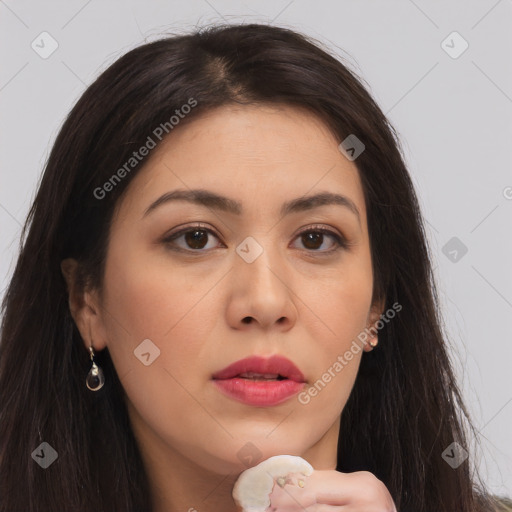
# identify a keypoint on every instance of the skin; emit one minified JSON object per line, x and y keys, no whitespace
{"x":303,"y":305}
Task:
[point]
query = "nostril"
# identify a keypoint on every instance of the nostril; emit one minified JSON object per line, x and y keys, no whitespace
{"x":247,"y":320}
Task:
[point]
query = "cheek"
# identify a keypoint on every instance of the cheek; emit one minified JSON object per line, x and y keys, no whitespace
{"x":169,"y":308}
{"x":336,"y":310}
{"x":148,"y":297}
{"x":337,"y":305}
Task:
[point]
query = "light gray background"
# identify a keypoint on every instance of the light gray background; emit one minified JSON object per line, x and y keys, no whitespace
{"x":454,"y":116}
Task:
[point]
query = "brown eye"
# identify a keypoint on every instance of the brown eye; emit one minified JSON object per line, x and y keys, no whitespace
{"x":195,"y":239}
{"x":313,"y":239}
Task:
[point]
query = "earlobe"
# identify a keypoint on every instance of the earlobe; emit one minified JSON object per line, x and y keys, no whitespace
{"x":84,"y":307}
{"x":376,"y":313}
{"x":91,"y":318}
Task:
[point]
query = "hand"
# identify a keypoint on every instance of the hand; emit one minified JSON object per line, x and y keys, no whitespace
{"x":329,"y":491}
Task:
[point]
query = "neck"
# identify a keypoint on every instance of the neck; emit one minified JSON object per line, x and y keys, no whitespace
{"x":182,"y":480}
{"x":195,"y":491}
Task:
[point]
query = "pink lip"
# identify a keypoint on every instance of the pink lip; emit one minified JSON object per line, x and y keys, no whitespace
{"x":274,"y":364}
{"x":260,"y":393}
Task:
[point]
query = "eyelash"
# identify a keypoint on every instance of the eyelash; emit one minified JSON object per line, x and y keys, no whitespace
{"x":340,"y":241}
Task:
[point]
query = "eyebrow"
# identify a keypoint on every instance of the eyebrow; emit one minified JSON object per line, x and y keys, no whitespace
{"x":215,"y":201}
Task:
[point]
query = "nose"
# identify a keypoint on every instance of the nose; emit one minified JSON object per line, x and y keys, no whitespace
{"x":261,"y":293}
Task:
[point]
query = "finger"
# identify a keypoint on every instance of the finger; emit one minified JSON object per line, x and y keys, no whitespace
{"x":325,"y":491}
{"x":325,"y":508}
{"x":360,"y":490}
{"x":291,"y":498}
{"x":331,"y":487}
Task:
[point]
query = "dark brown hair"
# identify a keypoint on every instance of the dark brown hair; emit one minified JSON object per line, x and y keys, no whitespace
{"x":405,"y":408}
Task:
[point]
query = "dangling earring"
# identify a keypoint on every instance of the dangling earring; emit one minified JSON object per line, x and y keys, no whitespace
{"x":95,"y":378}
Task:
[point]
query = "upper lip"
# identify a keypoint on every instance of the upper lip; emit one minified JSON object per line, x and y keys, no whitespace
{"x":275,"y":364}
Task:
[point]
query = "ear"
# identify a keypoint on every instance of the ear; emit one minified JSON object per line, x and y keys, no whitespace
{"x":85,"y":307}
{"x":376,"y":311}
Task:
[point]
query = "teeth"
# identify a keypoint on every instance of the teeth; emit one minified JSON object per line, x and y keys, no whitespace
{"x":259,"y":376}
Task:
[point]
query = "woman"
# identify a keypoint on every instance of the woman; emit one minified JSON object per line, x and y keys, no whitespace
{"x":235,"y":192}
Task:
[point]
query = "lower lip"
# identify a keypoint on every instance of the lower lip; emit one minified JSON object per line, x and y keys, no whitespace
{"x":259,"y":392}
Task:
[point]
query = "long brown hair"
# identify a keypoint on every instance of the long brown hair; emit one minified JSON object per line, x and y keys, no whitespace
{"x":405,"y":408}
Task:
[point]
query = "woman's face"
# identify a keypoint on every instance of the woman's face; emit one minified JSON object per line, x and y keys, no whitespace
{"x":172,"y":313}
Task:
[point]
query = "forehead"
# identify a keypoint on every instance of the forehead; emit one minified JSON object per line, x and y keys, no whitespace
{"x":261,"y":155}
